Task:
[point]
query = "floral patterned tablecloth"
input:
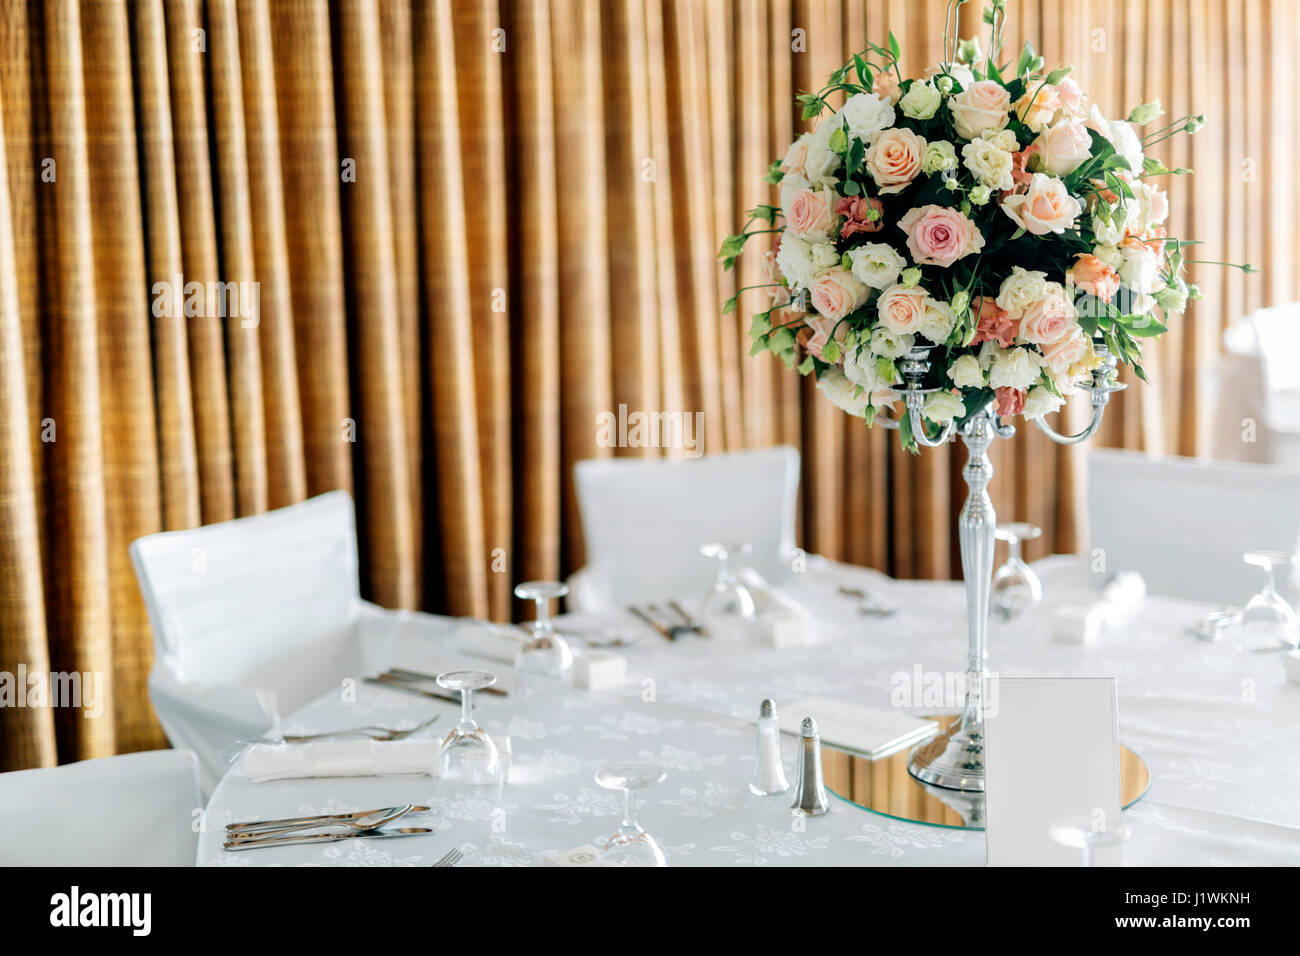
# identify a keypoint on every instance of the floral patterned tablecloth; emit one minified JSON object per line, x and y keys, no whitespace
{"x":1219,"y":729}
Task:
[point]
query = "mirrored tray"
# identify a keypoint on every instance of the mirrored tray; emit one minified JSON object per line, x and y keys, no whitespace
{"x":884,"y":786}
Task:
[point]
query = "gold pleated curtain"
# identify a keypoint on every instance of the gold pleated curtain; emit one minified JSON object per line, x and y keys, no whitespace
{"x":474,"y":226}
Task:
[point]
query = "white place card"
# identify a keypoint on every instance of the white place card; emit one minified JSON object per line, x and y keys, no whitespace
{"x":1051,"y":754}
{"x":869,"y":731}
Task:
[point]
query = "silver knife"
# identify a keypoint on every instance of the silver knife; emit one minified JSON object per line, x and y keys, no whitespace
{"x":394,"y":683}
{"x":326,"y":838}
{"x":402,"y":674}
{"x":324,"y":820}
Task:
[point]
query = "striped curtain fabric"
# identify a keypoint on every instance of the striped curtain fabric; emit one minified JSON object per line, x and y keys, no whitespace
{"x":472,"y":228}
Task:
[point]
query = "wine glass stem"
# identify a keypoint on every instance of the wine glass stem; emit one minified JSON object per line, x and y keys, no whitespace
{"x":629,"y":810}
{"x":466,"y":707}
{"x":1013,"y":549}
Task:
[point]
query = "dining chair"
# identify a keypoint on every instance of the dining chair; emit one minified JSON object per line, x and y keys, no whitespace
{"x":643,"y":521}
{"x":1184,"y":524}
{"x":140,"y":809}
{"x":255,"y":617}
{"x":1257,"y":388}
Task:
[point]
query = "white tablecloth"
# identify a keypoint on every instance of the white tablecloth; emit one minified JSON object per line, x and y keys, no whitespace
{"x":1219,"y":729}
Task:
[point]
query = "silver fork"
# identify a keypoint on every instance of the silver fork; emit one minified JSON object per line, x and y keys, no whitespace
{"x":452,"y":857}
{"x":374,"y":733}
{"x":693,"y":623}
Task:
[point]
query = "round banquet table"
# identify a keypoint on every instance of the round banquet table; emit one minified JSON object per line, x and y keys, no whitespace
{"x":1219,"y":729}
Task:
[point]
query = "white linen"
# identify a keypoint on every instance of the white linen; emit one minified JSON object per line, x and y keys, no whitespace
{"x":140,"y":809}
{"x":643,"y":521}
{"x":339,"y":758}
{"x":1185,"y":524}
{"x":1216,"y":727}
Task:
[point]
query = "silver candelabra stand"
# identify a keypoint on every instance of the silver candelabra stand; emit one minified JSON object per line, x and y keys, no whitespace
{"x":954,"y":759}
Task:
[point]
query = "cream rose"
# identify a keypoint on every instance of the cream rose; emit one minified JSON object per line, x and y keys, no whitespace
{"x":894,"y":159}
{"x":1046,"y":207}
{"x":796,"y":158}
{"x":836,"y":386}
{"x":837,"y":293}
{"x":820,"y":161}
{"x":943,"y":406}
{"x":1016,"y":368}
{"x":1139,"y":267}
{"x":902,"y":309}
{"x":1040,"y":401}
{"x":921,"y":101}
{"x":876,"y":264}
{"x":938,"y":322}
{"x":1126,"y":142}
{"x":939,"y":156}
{"x":981,"y":106}
{"x":966,"y":372}
{"x":1063,"y":148}
{"x":891,"y":345}
{"x":1019,"y":289}
{"x":867,"y":114}
{"x":800,"y":261}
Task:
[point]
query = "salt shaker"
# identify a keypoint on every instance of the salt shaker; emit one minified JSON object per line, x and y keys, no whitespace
{"x":769,"y":771}
{"x":810,"y":791}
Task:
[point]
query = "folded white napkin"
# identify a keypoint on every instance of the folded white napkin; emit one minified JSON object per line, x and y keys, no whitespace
{"x":1118,"y":602}
{"x":781,"y":620}
{"x":1291,"y":661}
{"x":1123,"y":595}
{"x":340,"y":758}
{"x":1078,"y":623}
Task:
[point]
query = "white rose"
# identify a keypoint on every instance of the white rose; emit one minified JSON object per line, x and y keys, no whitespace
{"x":820,"y":161}
{"x":867,"y":115}
{"x":1040,"y":401}
{"x":876,"y":264}
{"x":1152,"y":206}
{"x":921,"y":101}
{"x":891,"y":345}
{"x":1125,"y":140}
{"x":966,"y":372}
{"x":1139,"y":268}
{"x":981,"y":106}
{"x":801,"y":261}
{"x":1013,"y":368}
{"x":1019,"y":289}
{"x":836,"y":386}
{"x":943,"y":406}
{"x":938,"y":322}
{"x":988,"y":164}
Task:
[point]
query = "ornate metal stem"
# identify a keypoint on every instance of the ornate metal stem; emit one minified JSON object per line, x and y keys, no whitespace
{"x":954,"y":759}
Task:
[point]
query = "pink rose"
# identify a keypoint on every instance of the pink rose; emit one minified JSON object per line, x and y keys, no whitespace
{"x":837,"y":293}
{"x":809,"y":213}
{"x":982,"y":106}
{"x":854,"y":209}
{"x":1060,"y":355}
{"x":902,"y":310}
{"x":1094,"y":277}
{"x":995,"y":324}
{"x":894,"y":159}
{"x":817,"y":335}
{"x":1046,"y":320}
{"x":1070,"y":95}
{"x":1063,"y":148}
{"x":1046,"y":206}
{"x":939,"y":235}
{"x":1011,"y":401}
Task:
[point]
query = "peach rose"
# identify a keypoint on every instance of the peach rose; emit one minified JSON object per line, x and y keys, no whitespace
{"x":1063,"y":148}
{"x":796,"y":158}
{"x":1036,"y":109}
{"x":894,"y":159}
{"x":837,"y":293}
{"x":1047,"y":320}
{"x":1094,"y":277}
{"x":885,"y":85}
{"x":981,"y":106}
{"x":939,"y":235}
{"x":1011,"y":401}
{"x":1046,"y":206}
{"x":995,"y":324}
{"x":1071,"y":96}
{"x":809,"y":213}
{"x":817,"y":334}
{"x":902,"y":310}
{"x":1063,"y":353}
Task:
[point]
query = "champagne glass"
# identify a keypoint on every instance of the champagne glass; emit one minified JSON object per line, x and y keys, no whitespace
{"x":1268,"y":622}
{"x":728,"y":610}
{"x":468,"y":755}
{"x":1088,"y":837}
{"x":1016,"y":587}
{"x":631,"y":845}
{"x":545,"y":662}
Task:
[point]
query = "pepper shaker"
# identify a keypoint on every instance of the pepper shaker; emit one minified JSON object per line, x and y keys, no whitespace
{"x":810,"y":791}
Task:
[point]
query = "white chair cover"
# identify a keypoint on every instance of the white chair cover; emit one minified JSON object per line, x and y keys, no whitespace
{"x":1256,"y":380}
{"x":134,"y":810}
{"x":644,"y":519}
{"x":1185,"y":524}
{"x":253,"y":618}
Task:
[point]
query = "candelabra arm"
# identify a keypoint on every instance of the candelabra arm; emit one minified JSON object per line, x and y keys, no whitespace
{"x":1101,"y":388}
{"x":1054,"y":435}
{"x":918,"y":428}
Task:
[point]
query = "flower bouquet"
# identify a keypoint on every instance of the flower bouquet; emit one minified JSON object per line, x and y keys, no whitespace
{"x":987,"y":214}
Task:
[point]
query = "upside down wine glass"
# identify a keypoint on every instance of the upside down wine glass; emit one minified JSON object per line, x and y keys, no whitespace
{"x":728,"y":610}
{"x":631,"y":845}
{"x":468,"y":755}
{"x":1016,"y":587}
{"x":1268,"y":621}
{"x":545,"y":662}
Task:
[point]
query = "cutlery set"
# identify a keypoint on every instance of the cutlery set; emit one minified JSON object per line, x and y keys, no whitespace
{"x":374,"y":733}
{"x":414,"y":682}
{"x":867,"y":604}
{"x":329,"y":828}
{"x":671,"y":623}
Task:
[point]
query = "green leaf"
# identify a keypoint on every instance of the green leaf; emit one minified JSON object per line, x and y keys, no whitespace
{"x":781,"y":340}
{"x":1026,"y":57}
{"x":761,"y":325}
{"x":894,"y":48}
{"x":839,"y":141}
{"x":1056,"y":76}
{"x":760,"y":345}
{"x":806,"y":365}
{"x":729,"y":306}
{"x":851,"y":188}
{"x":864,"y":71}
{"x":885,"y":369}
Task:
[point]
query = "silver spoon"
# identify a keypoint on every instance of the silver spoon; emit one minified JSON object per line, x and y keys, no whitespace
{"x":371,"y":821}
